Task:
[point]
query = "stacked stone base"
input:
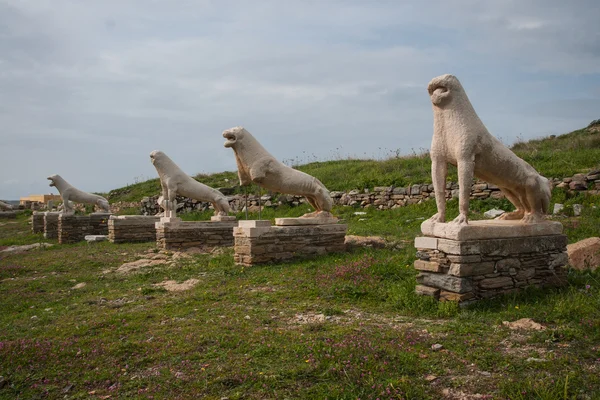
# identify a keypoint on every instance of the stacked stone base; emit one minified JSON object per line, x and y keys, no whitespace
{"x":51,"y":225}
{"x":174,"y":234}
{"x":467,"y":270}
{"x":37,"y":222}
{"x":8,"y":215}
{"x":132,"y":228}
{"x":257,"y":242}
{"x":74,"y":228}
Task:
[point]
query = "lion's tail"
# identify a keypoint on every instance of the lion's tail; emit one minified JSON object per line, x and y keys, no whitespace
{"x":325,"y":200}
{"x":103,"y":204}
{"x":546,"y":193}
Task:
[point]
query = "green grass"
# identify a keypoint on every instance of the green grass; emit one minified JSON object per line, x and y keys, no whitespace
{"x":340,"y":326}
{"x":554,"y":156}
{"x":564,"y":155}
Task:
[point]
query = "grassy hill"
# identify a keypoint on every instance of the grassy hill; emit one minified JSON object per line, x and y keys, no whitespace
{"x":553,"y":156}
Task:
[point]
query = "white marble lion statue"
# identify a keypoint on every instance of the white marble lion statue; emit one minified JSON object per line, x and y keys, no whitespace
{"x":5,"y":206}
{"x":461,"y":139}
{"x":255,"y":164}
{"x":174,"y":181}
{"x":72,"y":195}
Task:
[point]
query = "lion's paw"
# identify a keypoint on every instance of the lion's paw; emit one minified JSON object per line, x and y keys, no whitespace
{"x":437,"y":218}
{"x":462,"y":219}
{"x":512,"y":215}
{"x":532,"y":219}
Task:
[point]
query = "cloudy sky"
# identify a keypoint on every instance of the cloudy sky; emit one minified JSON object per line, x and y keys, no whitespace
{"x":89,"y":88}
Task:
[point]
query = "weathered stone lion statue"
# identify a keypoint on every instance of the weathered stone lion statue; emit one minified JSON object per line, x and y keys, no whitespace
{"x":255,"y":164}
{"x":72,"y":195}
{"x":5,"y":206}
{"x":461,"y":139}
{"x":174,"y":181}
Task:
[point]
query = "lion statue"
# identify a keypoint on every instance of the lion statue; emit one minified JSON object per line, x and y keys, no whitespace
{"x":174,"y":181}
{"x":255,"y":164}
{"x":461,"y":139}
{"x":72,"y":195}
{"x":5,"y":206}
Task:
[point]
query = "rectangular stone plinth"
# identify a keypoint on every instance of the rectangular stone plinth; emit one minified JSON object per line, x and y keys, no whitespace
{"x":469,"y":270}
{"x":489,"y":229}
{"x":176,"y":234}
{"x":8,"y":215}
{"x":74,"y":228}
{"x":256,"y":242}
{"x":51,"y":225}
{"x":132,"y":228}
{"x":305,"y":221}
{"x":37,"y":222}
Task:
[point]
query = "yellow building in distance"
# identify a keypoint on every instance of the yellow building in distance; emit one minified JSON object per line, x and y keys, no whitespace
{"x":40,"y":198}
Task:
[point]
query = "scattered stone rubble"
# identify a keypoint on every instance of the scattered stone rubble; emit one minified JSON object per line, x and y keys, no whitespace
{"x":585,"y":254}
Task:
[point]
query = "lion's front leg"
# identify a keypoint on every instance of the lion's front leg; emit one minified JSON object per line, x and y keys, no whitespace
{"x":466,"y":168}
{"x":439,"y":169}
{"x":67,"y":206}
{"x":171,"y":203}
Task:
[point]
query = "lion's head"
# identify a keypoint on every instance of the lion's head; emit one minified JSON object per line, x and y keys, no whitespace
{"x":233,"y":135}
{"x":443,"y":88}
{"x":52,"y":179}
{"x":156,"y":154}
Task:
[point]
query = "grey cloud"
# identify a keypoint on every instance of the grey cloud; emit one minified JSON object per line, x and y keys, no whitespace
{"x":90,"y":88}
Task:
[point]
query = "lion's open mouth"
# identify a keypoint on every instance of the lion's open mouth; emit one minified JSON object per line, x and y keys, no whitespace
{"x":438,"y":92}
{"x":51,"y":182}
{"x":231,"y":139}
{"x":437,"y":89}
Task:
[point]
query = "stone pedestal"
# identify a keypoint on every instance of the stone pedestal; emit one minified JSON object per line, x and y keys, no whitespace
{"x":132,"y":228}
{"x":488,"y":258}
{"x":37,"y":222}
{"x":8,"y":215}
{"x":51,"y":225}
{"x":175,"y":234}
{"x":74,"y":228}
{"x":258,"y":242}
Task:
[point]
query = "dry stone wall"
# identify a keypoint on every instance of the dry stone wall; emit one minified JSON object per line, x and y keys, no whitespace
{"x":51,"y":225}
{"x":185,"y":234}
{"x":74,"y":228}
{"x":265,"y":243}
{"x":383,"y":197}
{"x":8,"y":215}
{"x":132,"y":228}
{"x":453,"y":270}
{"x":37,"y":222}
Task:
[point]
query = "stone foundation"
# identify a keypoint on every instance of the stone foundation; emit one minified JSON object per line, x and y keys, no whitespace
{"x":74,"y":228}
{"x":8,"y":215}
{"x":51,"y":225}
{"x":132,"y":228}
{"x":258,"y":242}
{"x":174,"y":234}
{"x":472,"y":262}
{"x":37,"y":222}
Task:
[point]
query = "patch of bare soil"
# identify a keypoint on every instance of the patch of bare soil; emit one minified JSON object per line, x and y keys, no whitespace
{"x":173,"y":286}
{"x":524,"y":324}
{"x":151,"y":259}
{"x":27,"y":247}
{"x":135,"y":266}
{"x":455,"y":394}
